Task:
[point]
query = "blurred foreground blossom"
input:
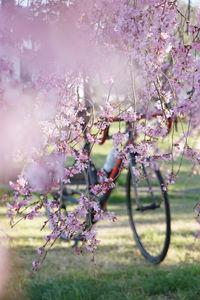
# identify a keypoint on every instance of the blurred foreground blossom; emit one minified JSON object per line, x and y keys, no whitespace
{"x":4,"y":261}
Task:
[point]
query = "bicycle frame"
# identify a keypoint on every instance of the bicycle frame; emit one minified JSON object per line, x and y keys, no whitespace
{"x":116,"y":171}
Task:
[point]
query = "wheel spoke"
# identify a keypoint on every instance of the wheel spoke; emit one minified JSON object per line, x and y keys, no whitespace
{"x":149,"y":215}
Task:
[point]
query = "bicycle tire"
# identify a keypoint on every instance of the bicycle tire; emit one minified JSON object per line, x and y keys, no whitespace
{"x":68,"y":197}
{"x":70,"y":193}
{"x":147,"y":244}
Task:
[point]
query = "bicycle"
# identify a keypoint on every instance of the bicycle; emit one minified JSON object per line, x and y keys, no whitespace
{"x":149,"y":215}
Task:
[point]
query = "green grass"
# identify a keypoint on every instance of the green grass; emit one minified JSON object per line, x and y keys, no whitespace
{"x":119,"y":271}
{"x":130,"y":284}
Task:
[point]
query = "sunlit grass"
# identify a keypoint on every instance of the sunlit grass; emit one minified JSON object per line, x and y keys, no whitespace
{"x":119,"y":271}
{"x":116,"y":254}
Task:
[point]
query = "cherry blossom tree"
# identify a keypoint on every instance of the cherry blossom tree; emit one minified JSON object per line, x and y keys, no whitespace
{"x":126,"y":58}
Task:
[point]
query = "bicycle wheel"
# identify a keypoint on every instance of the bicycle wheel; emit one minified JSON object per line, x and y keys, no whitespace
{"x":68,"y":198}
{"x":69,"y":194}
{"x":149,"y":212}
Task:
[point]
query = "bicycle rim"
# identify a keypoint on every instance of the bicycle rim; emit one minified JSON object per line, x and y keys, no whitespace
{"x":151,"y":227}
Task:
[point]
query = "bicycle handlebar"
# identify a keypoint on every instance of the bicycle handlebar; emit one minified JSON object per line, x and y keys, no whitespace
{"x":112,"y":120}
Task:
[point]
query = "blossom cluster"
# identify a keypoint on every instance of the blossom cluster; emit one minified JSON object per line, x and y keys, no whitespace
{"x":67,"y":69}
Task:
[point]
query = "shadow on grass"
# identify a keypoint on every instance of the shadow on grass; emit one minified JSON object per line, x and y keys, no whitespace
{"x":122,"y":272}
{"x":132,"y":283}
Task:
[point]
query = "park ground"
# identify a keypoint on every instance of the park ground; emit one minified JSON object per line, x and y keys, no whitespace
{"x":119,"y":271}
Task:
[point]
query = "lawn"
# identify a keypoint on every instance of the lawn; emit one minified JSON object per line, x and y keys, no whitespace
{"x":119,"y":271}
